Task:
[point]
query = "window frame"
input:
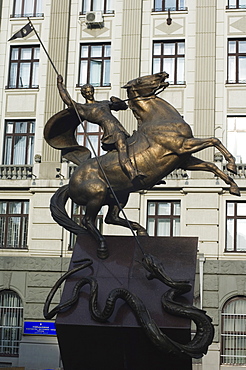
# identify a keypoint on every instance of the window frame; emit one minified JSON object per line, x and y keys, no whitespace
{"x":23,"y":14}
{"x":87,"y":133}
{"x":104,"y":10}
{"x":22,"y":228}
{"x":234,"y":334}
{"x":237,"y":55}
{"x":17,"y":310}
{"x":237,"y":6}
{"x":89,"y":58}
{"x":236,"y":132}
{"x":174,"y":56}
{"x":28,"y":134}
{"x":163,"y":8}
{"x":235,"y":217}
{"x":19,"y":62}
{"x":170,"y":217}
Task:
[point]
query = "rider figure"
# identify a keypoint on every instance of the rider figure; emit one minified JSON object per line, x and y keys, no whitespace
{"x":99,"y":112}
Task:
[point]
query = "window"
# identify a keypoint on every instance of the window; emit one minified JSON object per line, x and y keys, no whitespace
{"x":164,"y":5}
{"x":234,"y":332}
{"x":13,"y":224}
{"x":93,"y":133}
{"x":236,"y":4}
{"x":77,"y":216}
{"x":19,"y":142}
{"x":236,"y":137}
{"x":11,"y":318}
{"x":104,"y":6}
{"x":237,"y":61}
{"x":27,"y":8}
{"x":95,"y":64}
{"x":23,"y":72}
{"x":169,"y":56}
{"x":163,"y":218}
{"x":236,"y":227}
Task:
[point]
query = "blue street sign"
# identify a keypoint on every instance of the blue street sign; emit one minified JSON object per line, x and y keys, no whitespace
{"x":39,"y":328}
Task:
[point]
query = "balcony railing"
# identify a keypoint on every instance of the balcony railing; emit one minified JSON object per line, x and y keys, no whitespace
{"x":15,"y":172}
{"x":26,"y":15}
{"x":104,"y":11}
{"x":178,"y":174}
{"x":241,"y":171}
{"x":172,"y":9}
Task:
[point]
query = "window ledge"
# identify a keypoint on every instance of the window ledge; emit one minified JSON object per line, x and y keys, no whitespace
{"x":165,"y":12}
{"x":12,"y":250}
{"x":232,"y":366}
{"x":105,"y":15}
{"x":109,"y":14}
{"x":234,"y":254}
{"x":24,"y":18}
{"x":235,"y":10}
{"x":181,"y":86}
{"x":21,"y":90}
{"x":236,"y":84}
{"x":96,"y":88}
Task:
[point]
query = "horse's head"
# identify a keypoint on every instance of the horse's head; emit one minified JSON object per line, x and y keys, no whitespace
{"x":147,"y":85}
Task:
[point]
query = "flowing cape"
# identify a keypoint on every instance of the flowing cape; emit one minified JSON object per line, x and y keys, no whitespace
{"x":59,"y":133}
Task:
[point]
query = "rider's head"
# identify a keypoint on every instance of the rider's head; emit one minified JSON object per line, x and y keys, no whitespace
{"x":87,"y":91}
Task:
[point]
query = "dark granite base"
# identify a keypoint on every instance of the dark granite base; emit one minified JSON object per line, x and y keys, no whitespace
{"x":120,"y":344}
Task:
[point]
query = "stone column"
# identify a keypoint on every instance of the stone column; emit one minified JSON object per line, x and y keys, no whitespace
{"x":204,"y":111}
{"x":131,"y":50}
{"x":58,"y":50}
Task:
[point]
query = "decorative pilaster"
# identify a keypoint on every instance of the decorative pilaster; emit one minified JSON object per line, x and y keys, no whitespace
{"x":204,"y":111}
{"x":131,"y":50}
{"x":58,"y":50}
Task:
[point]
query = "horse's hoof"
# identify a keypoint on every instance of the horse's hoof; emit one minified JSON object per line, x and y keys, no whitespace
{"x":102,"y":253}
{"x":232,"y":167}
{"x":234,"y":190}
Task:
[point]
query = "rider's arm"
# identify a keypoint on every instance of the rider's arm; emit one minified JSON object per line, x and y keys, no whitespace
{"x":63,"y":92}
{"x":117,"y":104}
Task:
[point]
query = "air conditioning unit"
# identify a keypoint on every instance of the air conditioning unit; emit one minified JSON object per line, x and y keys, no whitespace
{"x":93,"y":18}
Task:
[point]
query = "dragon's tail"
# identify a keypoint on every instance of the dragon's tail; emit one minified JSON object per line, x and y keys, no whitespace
{"x":59,"y":214}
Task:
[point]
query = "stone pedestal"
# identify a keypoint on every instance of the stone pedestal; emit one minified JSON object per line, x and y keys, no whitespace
{"x":121,"y":344}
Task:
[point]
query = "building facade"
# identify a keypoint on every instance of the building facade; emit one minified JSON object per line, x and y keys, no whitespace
{"x":107,"y":43}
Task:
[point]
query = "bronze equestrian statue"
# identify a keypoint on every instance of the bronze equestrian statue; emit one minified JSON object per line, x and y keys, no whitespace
{"x":162,"y":143}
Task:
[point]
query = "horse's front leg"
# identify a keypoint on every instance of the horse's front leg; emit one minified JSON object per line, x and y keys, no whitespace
{"x":193,"y":145}
{"x":196,"y":164}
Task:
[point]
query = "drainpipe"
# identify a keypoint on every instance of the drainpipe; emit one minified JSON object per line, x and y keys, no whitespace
{"x":202,"y":259}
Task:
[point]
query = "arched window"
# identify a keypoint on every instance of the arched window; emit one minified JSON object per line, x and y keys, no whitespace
{"x":11,"y":319}
{"x":234,"y":332}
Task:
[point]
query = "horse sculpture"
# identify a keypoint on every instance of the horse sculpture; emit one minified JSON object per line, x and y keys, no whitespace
{"x":163,"y":142}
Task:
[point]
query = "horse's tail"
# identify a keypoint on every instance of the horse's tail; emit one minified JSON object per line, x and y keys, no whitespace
{"x":59,"y":214}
